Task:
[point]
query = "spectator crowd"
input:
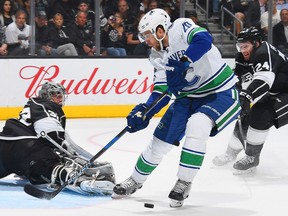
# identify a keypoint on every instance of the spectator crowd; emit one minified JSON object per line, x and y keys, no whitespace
{"x":248,"y":13}
{"x":67,"y":27}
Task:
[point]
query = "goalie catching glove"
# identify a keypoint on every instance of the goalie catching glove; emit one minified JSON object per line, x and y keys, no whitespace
{"x":175,"y":73}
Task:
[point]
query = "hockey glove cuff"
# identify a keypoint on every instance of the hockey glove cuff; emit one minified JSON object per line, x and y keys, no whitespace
{"x":175,"y":73}
{"x":138,"y":119}
{"x":246,"y":98}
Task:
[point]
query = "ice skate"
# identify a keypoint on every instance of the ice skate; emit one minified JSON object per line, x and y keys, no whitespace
{"x":228,"y":156}
{"x":179,"y":192}
{"x":125,"y":188}
{"x":246,"y":165}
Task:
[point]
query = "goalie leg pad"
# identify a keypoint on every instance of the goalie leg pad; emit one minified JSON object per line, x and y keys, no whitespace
{"x":106,"y":171}
{"x":93,"y":187}
{"x":91,"y":183}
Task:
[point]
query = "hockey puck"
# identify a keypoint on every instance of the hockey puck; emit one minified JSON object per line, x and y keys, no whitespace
{"x":148,"y":205}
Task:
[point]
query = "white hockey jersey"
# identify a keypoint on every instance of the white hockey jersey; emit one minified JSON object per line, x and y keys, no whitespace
{"x":210,"y":74}
{"x":159,"y":80}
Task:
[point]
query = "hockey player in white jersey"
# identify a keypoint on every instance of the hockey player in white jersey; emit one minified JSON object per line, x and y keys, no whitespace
{"x":206,"y":101}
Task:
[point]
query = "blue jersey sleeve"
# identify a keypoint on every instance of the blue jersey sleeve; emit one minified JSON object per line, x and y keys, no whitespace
{"x":200,"y":42}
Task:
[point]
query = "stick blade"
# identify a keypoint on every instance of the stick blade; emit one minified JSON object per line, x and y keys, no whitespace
{"x":35,"y":192}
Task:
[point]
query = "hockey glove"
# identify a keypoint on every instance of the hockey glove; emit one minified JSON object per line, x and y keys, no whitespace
{"x":137,"y":119}
{"x":246,"y":99}
{"x":175,"y":73}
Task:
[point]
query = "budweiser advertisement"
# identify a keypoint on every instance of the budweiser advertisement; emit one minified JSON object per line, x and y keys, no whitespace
{"x":96,"y":87}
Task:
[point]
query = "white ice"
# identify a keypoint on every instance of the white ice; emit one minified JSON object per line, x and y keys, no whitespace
{"x":215,"y":191}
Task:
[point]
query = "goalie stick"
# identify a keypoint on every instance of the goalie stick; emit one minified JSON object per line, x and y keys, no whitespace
{"x":48,"y":195}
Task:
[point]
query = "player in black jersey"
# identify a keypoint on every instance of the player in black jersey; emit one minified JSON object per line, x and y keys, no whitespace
{"x":264,"y":100}
{"x":35,"y":145}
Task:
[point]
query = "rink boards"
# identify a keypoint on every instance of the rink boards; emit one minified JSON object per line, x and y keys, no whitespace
{"x":98,"y":87}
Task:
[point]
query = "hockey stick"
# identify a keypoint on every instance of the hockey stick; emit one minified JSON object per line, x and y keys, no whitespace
{"x":241,"y":133}
{"x":48,"y":195}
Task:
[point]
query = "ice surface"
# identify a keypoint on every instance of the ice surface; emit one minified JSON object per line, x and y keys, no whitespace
{"x":215,"y":191}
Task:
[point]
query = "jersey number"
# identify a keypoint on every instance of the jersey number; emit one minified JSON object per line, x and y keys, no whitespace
{"x":186,"y":26}
{"x":260,"y":67}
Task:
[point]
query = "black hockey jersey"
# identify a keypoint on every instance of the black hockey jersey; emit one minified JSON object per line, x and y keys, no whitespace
{"x":46,"y":114}
{"x":243,"y":70}
{"x":270,"y":67}
{"x":22,"y":150}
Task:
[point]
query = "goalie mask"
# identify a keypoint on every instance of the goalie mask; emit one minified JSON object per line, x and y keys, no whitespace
{"x":151,"y":21}
{"x":54,"y":92}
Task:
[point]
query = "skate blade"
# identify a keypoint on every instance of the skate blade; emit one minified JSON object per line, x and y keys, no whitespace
{"x":244,"y":172}
{"x":176,"y":203}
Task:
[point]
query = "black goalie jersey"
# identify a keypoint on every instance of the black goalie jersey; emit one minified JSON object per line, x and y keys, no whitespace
{"x":22,"y":151}
{"x":37,"y":115}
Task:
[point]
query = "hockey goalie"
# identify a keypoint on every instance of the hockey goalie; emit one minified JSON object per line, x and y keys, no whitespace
{"x":36,"y":146}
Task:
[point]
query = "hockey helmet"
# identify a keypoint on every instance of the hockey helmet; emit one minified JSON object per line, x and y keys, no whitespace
{"x":251,"y":34}
{"x":50,"y":90}
{"x":151,"y":20}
